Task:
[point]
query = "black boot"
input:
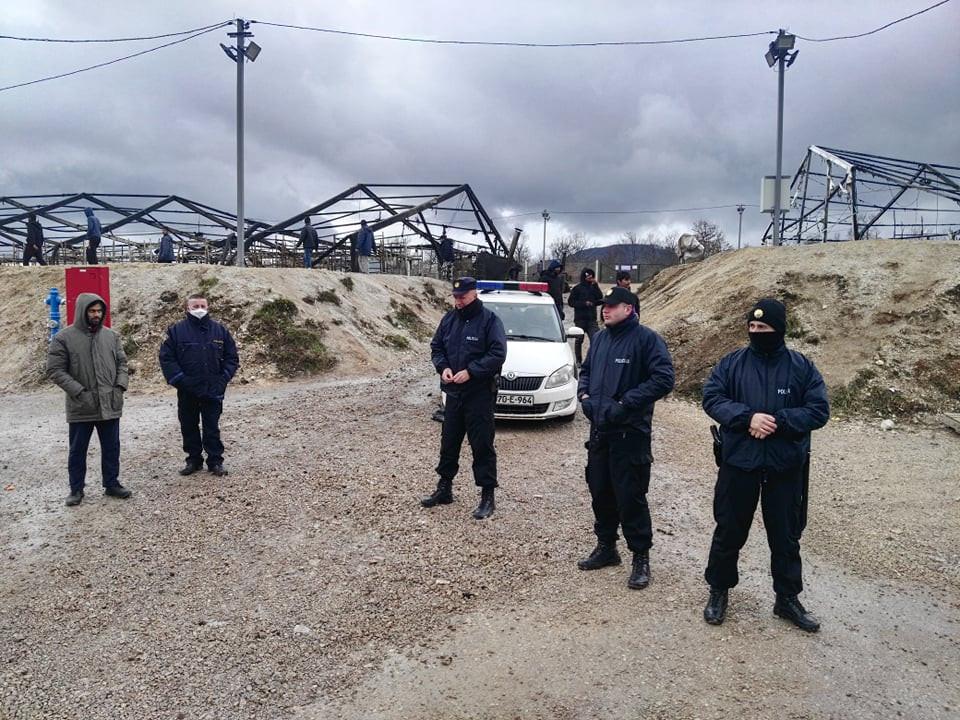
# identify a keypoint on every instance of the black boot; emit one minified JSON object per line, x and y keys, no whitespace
{"x":640,"y":574}
{"x":443,"y":495}
{"x":218,"y":470}
{"x":716,"y":609}
{"x":789,"y":608}
{"x":487,"y":505}
{"x":74,"y":498}
{"x":191,"y":467}
{"x":603,"y":554}
{"x":117,"y":491}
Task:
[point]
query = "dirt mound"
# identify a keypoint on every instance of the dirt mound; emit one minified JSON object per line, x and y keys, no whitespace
{"x":287,"y":322}
{"x":880,"y":318}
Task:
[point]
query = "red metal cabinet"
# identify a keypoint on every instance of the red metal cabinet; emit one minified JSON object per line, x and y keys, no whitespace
{"x":89,"y":279}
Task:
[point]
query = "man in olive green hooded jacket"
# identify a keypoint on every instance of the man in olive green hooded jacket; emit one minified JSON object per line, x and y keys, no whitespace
{"x":87,"y":361}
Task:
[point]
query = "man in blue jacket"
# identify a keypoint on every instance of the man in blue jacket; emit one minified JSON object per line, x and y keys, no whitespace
{"x":627,"y":369}
{"x":199,"y":358}
{"x":468,"y":350}
{"x":165,"y":252}
{"x":93,"y":236}
{"x":310,"y":242}
{"x":767,"y":399}
{"x":366,"y":246}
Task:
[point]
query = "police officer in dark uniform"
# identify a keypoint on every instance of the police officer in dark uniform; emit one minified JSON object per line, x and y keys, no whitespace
{"x":627,"y":369}
{"x":767,"y":399}
{"x":584,"y":299}
{"x":468,"y":351}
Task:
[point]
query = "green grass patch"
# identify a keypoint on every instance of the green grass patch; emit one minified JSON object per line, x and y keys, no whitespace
{"x":292,"y":348}
{"x":430,"y":293}
{"x":406,"y":318}
{"x":207,"y":283}
{"x":328,"y":296}
{"x":130,"y":346}
{"x":396,"y":341}
{"x":862,"y":397}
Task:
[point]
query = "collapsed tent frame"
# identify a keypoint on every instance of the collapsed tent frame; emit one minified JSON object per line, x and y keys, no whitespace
{"x":845,"y":195}
{"x":418,"y":214}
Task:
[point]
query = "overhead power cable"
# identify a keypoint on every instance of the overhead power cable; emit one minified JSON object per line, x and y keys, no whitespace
{"x":625,"y":212}
{"x":875,"y":30}
{"x":113,"y":40}
{"x":116,"y":60}
{"x":505,"y":43}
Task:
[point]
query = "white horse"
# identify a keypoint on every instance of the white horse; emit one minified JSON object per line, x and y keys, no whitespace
{"x":689,"y":248}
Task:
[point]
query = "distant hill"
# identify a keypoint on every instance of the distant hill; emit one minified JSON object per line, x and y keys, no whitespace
{"x":643,"y":261}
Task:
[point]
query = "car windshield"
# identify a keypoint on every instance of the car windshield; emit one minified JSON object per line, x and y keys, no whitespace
{"x":528,"y":322}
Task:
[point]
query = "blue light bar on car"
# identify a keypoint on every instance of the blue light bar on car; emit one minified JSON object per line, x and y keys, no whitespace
{"x":511,"y":285}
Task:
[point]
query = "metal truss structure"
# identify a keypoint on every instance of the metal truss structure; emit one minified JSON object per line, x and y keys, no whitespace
{"x":407,"y":220}
{"x":844,"y":195}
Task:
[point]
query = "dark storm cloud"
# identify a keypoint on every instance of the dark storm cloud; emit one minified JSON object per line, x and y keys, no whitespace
{"x":573,"y":129}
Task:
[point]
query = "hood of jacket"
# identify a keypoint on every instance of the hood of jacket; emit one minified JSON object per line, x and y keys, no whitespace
{"x":84,"y":301}
{"x":88,"y":212}
{"x":554,"y":265}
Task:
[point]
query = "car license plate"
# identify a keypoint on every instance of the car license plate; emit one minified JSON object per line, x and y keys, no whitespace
{"x":503,"y":399}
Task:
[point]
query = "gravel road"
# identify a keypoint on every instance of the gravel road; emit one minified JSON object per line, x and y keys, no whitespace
{"x":308,"y":583}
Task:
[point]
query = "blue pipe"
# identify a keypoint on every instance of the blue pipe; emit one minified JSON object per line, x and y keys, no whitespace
{"x":53,"y":300}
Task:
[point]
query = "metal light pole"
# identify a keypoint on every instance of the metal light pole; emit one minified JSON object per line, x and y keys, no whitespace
{"x":239,"y":55}
{"x":779,"y":53}
{"x":740,"y":209}
{"x":543,"y":258}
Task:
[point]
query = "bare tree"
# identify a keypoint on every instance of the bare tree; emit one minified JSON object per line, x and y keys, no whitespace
{"x":522,"y":254}
{"x":630,"y":237}
{"x":710,"y":237}
{"x":568,"y":245}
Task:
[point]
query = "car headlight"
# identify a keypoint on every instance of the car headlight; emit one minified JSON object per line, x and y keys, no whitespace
{"x":560,"y":377}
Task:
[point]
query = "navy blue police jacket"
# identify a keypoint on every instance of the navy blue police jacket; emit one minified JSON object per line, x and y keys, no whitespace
{"x":471,"y":339}
{"x":784,"y":384}
{"x":199,"y":357}
{"x":627,"y":369}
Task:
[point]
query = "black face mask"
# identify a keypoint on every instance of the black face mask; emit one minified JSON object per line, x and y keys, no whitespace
{"x":766,"y":342}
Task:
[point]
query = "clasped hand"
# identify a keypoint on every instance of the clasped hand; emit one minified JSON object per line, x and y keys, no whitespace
{"x":762,"y":425}
{"x":448,"y":376}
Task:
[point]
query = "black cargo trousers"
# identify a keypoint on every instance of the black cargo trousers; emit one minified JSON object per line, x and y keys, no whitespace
{"x":470,"y":412}
{"x":782,"y":497}
{"x":618,"y":475}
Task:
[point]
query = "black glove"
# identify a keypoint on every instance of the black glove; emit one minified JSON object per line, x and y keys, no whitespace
{"x":617,"y":414}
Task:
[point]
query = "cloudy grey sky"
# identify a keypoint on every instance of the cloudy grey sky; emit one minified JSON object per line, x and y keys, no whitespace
{"x":612,"y":128}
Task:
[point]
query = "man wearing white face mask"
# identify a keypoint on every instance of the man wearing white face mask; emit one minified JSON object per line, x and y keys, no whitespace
{"x":199,"y":358}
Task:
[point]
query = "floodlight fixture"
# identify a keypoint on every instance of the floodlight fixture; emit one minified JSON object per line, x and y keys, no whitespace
{"x":229,"y":51}
{"x":252,"y":51}
{"x":791,"y":57}
{"x":771,"y":56}
{"x":785,"y":41}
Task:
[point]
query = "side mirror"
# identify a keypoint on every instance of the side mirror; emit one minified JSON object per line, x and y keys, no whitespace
{"x":574,"y":332}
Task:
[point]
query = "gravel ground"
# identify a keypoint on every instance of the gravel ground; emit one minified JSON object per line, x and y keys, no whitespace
{"x":309,"y":583}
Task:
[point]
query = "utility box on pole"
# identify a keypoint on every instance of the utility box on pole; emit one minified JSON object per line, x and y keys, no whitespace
{"x":87,"y":280}
{"x":768,"y":190}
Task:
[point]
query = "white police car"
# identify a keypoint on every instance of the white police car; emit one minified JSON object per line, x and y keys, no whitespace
{"x":539,"y":378}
